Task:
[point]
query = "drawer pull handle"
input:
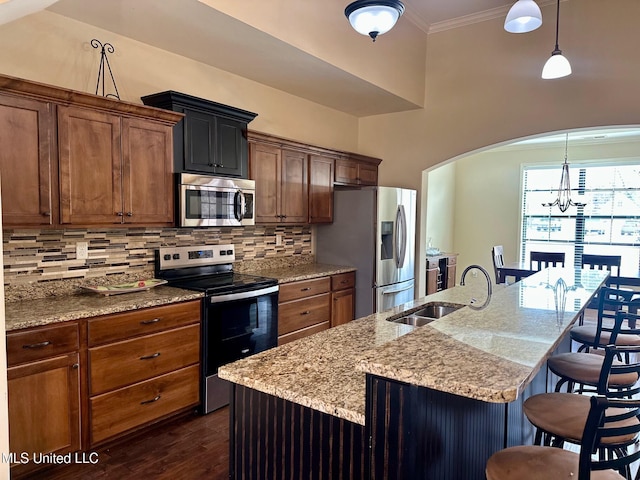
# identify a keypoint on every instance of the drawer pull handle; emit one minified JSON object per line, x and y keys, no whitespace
{"x":305,"y":289}
{"x":75,"y":366}
{"x":149,"y":357}
{"x":306,"y":312}
{"x":154,"y":399}
{"x":37,"y":345}
{"x":148,"y":322}
{"x":344,"y":282}
{"x":245,"y":350}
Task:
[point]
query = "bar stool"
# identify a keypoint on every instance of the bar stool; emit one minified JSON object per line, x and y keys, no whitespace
{"x":497,"y":255}
{"x":584,"y":368}
{"x":561,"y":417}
{"x":596,"y":335}
{"x":534,"y":462}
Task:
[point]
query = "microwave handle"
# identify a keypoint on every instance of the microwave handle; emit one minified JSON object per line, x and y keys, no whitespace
{"x":239,"y":205}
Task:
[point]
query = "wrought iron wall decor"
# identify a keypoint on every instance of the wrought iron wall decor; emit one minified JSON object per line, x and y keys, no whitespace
{"x":107,"y":47}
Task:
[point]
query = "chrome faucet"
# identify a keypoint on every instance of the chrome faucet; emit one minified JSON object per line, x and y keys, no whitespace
{"x":489,"y":290}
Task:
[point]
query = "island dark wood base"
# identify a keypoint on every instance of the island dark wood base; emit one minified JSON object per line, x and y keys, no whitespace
{"x":420,"y":433}
{"x":272,"y":438}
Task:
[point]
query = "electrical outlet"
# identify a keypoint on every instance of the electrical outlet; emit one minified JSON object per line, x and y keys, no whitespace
{"x":82,"y":250}
{"x":278,"y":239}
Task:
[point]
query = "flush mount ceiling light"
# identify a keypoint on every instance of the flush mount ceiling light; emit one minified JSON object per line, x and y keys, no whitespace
{"x":374,"y":17}
{"x":564,"y":190}
{"x":557,"y":66}
{"x":524,"y":16}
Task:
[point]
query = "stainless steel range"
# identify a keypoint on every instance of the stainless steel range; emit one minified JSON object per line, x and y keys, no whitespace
{"x":239,"y":311}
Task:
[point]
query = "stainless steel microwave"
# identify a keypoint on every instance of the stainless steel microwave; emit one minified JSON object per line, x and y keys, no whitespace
{"x":206,"y":201}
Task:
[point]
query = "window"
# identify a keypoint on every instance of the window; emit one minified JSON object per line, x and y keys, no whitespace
{"x":609,"y":223}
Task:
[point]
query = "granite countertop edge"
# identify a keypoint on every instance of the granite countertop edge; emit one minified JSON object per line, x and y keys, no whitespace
{"x":302,"y":272}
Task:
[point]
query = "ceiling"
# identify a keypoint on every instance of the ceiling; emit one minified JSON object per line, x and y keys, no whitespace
{"x":190,"y":27}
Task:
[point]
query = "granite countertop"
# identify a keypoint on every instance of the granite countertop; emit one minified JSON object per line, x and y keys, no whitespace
{"x":489,"y":355}
{"x":302,"y":272}
{"x":50,"y":310}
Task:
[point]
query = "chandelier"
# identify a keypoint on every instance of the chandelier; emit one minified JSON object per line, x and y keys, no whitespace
{"x":564,"y":190}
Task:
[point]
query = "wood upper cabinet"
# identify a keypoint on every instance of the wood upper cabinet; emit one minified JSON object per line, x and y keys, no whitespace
{"x":83,"y":160}
{"x":321,"y":174}
{"x":281,"y":184}
{"x":113,"y":170}
{"x":355,"y":172}
{"x":27,"y":162}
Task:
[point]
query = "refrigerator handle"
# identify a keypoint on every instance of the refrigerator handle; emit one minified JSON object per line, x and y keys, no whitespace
{"x":401,"y":236}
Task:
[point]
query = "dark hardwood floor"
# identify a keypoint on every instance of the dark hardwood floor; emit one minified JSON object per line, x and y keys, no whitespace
{"x":190,"y":448}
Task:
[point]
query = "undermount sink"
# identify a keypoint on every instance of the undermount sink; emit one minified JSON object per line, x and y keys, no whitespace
{"x":427,"y":314}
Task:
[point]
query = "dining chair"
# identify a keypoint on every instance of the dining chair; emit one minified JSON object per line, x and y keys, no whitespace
{"x":533,"y":462}
{"x":602,"y":262}
{"x":497,"y":257}
{"x":545,"y":260}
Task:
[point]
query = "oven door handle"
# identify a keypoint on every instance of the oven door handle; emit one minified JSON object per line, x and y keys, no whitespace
{"x":243,"y":295}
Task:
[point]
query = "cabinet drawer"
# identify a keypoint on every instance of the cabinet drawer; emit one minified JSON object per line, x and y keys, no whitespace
{"x":144,"y":402}
{"x":41,"y":343}
{"x":139,"y":322}
{"x":305,"y":288}
{"x":303,"y":313}
{"x":343,"y":280}
{"x":304,"y":332}
{"x":123,"y":363}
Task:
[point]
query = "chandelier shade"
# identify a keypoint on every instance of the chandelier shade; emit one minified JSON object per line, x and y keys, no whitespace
{"x":374,"y":17}
{"x":524,"y":16}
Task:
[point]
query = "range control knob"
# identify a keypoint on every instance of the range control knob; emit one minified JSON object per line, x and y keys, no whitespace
{"x":176,"y":256}
{"x":229,"y":252}
{"x":167,"y":256}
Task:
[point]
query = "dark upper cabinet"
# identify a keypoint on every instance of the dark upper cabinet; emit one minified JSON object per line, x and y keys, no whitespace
{"x":211,"y":139}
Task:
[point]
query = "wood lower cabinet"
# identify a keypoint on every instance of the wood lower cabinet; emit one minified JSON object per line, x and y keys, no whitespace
{"x":310,"y":306}
{"x":441,"y":272}
{"x":142,"y":369}
{"x":43,"y":381}
{"x":343,"y":298}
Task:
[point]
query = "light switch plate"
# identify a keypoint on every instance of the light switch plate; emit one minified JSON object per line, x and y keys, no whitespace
{"x":82,"y":250}
{"x":278,"y":239}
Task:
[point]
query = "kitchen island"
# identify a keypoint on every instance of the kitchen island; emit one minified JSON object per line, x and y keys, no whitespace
{"x":379,"y":399}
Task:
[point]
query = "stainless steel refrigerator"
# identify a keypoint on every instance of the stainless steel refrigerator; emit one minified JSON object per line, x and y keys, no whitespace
{"x":373,"y":230}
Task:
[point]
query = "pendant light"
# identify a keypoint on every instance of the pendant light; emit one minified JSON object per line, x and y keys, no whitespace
{"x":374,"y":17}
{"x":557,"y":66}
{"x":564,"y":190}
{"x":524,"y":16}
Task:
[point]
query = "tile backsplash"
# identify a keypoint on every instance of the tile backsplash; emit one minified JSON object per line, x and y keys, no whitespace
{"x":42,"y":255}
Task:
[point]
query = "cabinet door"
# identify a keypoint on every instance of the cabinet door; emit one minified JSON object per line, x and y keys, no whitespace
{"x":147,"y":181}
{"x":264,"y":168}
{"x":90,"y":167}
{"x":320,"y":189}
{"x":367,"y":174}
{"x":294,"y":198}
{"x":27,"y":166}
{"x":342,"y":306}
{"x":346,"y":172}
{"x":231,"y":148}
{"x":199,"y":141}
{"x":432,"y":276}
{"x":44,"y":406}
{"x":451,"y":276}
